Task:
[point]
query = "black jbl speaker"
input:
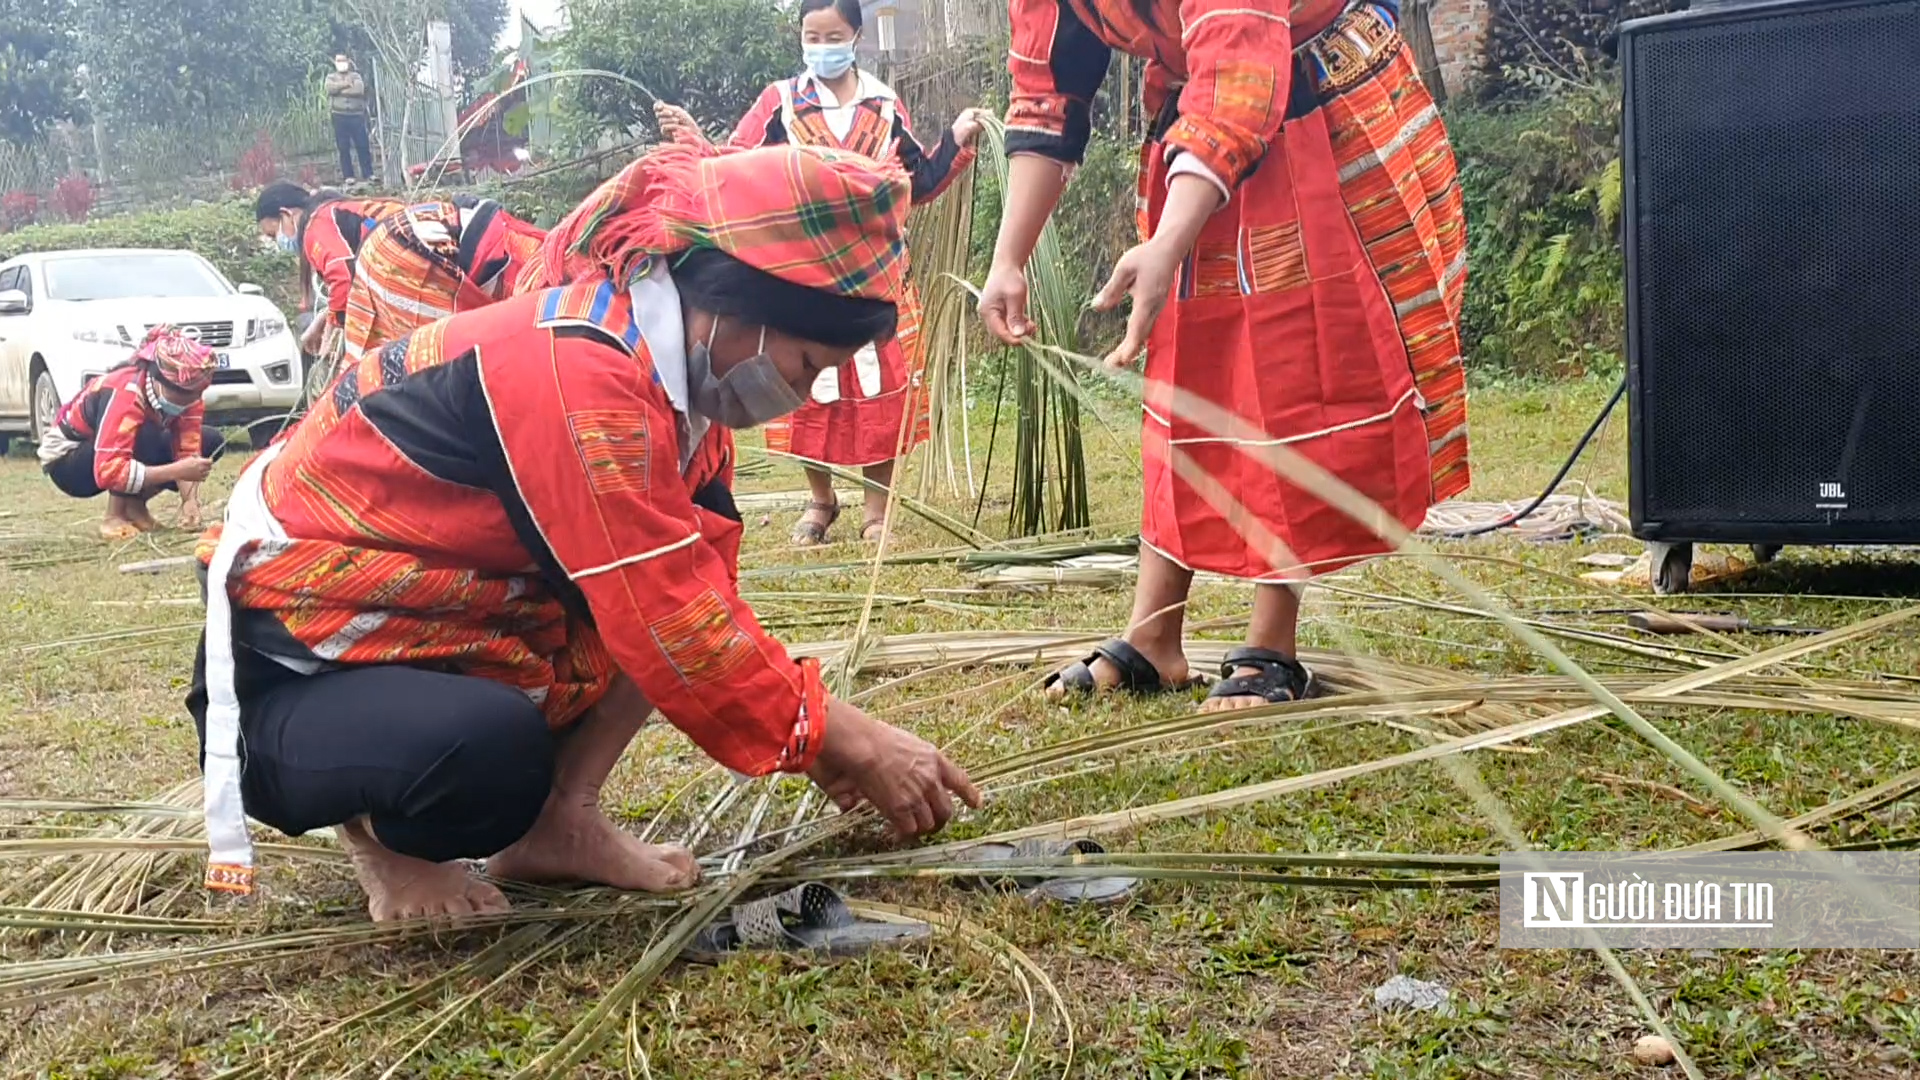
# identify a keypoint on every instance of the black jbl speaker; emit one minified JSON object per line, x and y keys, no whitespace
{"x":1772,"y":208}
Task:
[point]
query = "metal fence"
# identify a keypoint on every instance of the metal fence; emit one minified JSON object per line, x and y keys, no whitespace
{"x":137,"y":164}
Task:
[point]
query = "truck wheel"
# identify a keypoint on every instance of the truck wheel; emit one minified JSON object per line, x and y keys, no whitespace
{"x":46,"y":403}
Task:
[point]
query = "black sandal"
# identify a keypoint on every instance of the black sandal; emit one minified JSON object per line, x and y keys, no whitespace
{"x":1137,"y":673}
{"x":1282,"y":678}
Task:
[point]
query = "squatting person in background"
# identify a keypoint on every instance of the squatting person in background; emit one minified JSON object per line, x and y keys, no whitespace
{"x":426,"y":261}
{"x":326,"y":229}
{"x":440,"y":609}
{"x":856,"y":413}
{"x":135,"y":432}
{"x":1302,"y":267}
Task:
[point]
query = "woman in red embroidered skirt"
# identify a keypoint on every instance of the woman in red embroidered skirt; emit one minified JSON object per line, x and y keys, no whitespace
{"x":440,"y":608}
{"x":1302,"y":267}
{"x":856,"y":413}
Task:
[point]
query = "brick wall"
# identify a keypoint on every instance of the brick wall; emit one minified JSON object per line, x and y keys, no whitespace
{"x":1459,"y":40}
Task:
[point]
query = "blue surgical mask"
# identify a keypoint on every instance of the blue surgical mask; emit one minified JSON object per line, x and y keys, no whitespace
{"x":830,"y":60}
{"x":172,"y":409}
{"x":287,"y":242}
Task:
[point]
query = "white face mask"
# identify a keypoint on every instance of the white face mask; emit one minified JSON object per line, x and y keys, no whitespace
{"x":751,"y":393}
{"x":828,"y":60}
{"x":341,"y":66}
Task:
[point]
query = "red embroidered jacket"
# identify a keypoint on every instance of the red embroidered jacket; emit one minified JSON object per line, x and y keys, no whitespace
{"x":501,"y":494}
{"x":111,"y":410}
{"x":330,"y":240}
{"x":429,"y":260}
{"x":1230,"y":62}
{"x":881,"y":129}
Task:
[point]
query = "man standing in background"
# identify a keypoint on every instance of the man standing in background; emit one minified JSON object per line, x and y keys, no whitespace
{"x":347,"y":99}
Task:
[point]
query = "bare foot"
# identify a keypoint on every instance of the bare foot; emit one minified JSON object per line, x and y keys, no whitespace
{"x":118,"y":529}
{"x":574,"y":841}
{"x":136,"y":513}
{"x":401,"y":887}
{"x":1172,"y":667}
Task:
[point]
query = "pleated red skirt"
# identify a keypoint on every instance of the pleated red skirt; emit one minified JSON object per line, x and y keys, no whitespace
{"x":860,"y":421}
{"x":1321,"y":307}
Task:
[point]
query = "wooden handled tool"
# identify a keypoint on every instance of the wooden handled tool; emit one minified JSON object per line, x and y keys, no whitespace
{"x":1689,"y":623}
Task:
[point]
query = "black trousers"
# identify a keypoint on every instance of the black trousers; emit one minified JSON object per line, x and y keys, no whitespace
{"x":152,"y":445}
{"x":350,"y":137}
{"x":445,"y":766}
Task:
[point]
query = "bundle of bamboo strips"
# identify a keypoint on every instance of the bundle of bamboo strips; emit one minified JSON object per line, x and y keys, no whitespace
{"x":1049,"y":460}
{"x":941,"y":239}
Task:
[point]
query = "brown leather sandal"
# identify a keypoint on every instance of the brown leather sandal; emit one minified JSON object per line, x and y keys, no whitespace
{"x":869,"y":533}
{"x":812,"y":533}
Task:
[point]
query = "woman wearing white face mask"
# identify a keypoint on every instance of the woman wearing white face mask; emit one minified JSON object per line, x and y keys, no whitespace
{"x":855,"y":414}
{"x":135,"y":432}
{"x":442,"y":606}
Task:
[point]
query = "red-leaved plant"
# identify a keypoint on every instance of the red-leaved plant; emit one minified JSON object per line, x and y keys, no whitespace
{"x":258,"y":165}
{"x":73,"y":196}
{"x":18,"y":209}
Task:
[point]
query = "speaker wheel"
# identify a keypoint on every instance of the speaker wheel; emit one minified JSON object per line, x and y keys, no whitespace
{"x":1672,"y":568}
{"x":1764,"y":553}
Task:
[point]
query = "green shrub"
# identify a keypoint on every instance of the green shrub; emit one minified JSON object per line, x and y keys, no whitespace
{"x":1545,"y":292}
{"x":712,"y":57}
{"x":224,"y":233}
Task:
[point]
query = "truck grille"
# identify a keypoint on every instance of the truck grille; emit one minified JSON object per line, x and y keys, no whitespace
{"x":232,"y":377}
{"x":214,"y":335}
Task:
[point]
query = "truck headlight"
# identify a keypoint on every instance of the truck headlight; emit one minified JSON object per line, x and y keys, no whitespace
{"x":262,"y":329}
{"x":103,"y":335}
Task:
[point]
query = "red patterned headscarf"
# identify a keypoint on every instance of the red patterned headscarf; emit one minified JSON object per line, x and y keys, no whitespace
{"x":820,"y":218}
{"x":178,"y":358}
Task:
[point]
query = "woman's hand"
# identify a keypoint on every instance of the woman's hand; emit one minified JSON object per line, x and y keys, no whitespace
{"x":910,"y":783}
{"x":1146,"y":274}
{"x":316,"y":331}
{"x":1003,"y":304}
{"x":968,"y":125}
{"x":190,"y":470}
{"x":677,"y":124}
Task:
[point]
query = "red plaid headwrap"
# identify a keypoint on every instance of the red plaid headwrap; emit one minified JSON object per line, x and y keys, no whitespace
{"x":178,"y":358}
{"x":824,"y":219}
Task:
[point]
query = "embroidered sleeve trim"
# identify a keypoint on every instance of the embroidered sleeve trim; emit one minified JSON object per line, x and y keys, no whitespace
{"x":810,"y":727}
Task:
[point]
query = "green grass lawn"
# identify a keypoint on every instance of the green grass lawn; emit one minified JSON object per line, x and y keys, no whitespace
{"x":1186,"y":980}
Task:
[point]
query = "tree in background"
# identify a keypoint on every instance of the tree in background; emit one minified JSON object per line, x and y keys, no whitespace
{"x":711,"y":56}
{"x":188,"y":63}
{"x":476,"y":28}
{"x":37,"y":57}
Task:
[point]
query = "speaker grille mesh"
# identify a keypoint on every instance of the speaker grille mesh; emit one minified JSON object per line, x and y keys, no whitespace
{"x":1776,"y":269}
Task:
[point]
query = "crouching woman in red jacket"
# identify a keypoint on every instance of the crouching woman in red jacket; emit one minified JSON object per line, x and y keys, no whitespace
{"x":441,"y":608}
{"x":135,"y":432}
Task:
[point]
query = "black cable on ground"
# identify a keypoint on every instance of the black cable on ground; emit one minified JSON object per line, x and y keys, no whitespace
{"x":1579,"y":448}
